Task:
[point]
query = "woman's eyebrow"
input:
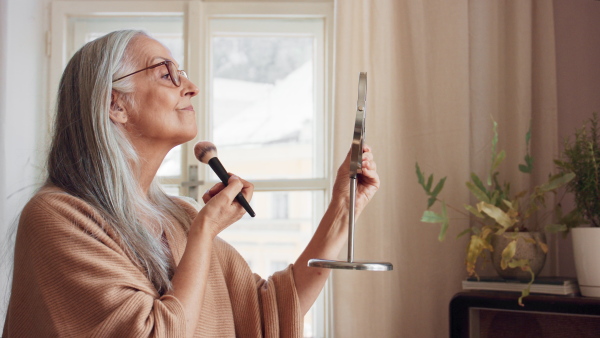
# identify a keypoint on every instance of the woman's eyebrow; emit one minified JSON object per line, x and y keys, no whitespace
{"x":154,"y":59}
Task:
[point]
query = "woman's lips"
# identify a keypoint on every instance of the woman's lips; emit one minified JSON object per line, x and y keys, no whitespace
{"x":191,"y":108}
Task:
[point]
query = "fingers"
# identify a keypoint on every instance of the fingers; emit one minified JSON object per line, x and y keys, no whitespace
{"x":214,"y":190}
{"x":369,"y":164}
{"x":368,"y":161}
{"x":237,"y":185}
{"x":234,"y":186}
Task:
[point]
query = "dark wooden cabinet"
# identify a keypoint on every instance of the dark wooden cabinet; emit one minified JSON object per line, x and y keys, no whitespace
{"x":488,"y":314}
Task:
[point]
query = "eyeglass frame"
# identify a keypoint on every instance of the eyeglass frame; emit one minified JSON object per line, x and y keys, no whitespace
{"x":166,"y":63}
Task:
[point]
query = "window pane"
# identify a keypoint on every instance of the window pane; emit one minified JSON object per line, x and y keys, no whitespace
{"x":171,"y":189}
{"x":262,"y":106}
{"x":171,"y":165}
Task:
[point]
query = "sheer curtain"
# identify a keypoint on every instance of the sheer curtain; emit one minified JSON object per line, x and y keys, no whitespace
{"x":438,"y":71}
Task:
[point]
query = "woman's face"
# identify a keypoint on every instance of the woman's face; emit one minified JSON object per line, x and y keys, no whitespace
{"x":162,"y":114}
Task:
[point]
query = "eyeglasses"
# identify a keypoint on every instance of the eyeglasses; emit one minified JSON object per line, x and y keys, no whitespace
{"x":174,"y":73}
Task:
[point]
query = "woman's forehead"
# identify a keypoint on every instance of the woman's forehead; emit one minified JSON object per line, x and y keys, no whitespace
{"x":148,"y":51}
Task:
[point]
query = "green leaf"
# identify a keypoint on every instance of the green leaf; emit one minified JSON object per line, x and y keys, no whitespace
{"x":498,"y":160}
{"x":497,"y":214}
{"x":474,"y":211}
{"x":480,"y":195}
{"x":543,"y":246}
{"x":430,"y":201}
{"x":495,"y":138}
{"x":524,"y":293}
{"x":556,"y":182}
{"x":475,"y":248}
{"x":512,"y":235}
{"x":478,"y":182}
{"x":555,"y":228}
{"x":527,"y":168}
{"x":431,"y":217}
{"x":420,"y":175}
{"x":438,"y":187}
{"x":464,"y":232}
{"x":508,"y":253}
{"x":524,"y":169}
{"x":429,"y":182}
{"x":445,"y":224}
{"x":494,"y":144}
{"x":571,"y":220}
{"x":529,"y":161}
{"x":566,"y":166}
{"x":495,"y":196}
{"x":519,"y":263}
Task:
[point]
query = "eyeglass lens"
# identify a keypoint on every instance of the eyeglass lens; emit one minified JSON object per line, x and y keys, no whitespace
{"x":175,"y":73}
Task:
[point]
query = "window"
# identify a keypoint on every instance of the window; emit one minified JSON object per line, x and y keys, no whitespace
{"x":264,"y":73}
{"x":279,"y":205}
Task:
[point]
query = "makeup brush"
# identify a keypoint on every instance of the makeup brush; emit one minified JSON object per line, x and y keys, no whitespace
{"x":206,"y":153}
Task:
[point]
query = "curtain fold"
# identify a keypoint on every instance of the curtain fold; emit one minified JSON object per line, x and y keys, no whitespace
{"x":438,"y":71}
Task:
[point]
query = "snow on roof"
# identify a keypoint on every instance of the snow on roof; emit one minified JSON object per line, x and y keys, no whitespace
{"x":282,"y":112}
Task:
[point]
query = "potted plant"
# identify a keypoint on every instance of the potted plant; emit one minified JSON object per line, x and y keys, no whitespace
{"x":582,"y":157}
{"x":508,"y":226}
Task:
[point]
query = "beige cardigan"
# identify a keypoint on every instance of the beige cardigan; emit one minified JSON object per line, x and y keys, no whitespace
{"x":72,"y":279}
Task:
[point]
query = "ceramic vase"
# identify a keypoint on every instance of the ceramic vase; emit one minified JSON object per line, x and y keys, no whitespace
{"x":525,"y":250}
{"x":586,"y":251}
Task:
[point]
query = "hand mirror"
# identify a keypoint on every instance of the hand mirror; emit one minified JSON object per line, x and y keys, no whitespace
{"x":355,"y":169}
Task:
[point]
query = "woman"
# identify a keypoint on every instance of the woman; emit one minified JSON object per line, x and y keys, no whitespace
{"x":101,"y":250}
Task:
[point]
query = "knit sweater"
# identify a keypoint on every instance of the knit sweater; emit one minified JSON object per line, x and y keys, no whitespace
{"x":72,"y":279}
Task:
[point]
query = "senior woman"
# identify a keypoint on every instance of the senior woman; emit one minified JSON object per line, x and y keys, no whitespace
{"x":102,"y":251}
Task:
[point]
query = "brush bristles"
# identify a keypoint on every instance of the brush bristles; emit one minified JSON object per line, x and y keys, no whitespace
{"x":204,"y":151}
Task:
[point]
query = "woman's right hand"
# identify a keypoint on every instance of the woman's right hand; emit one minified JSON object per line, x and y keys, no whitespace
{"x":221,"y":209}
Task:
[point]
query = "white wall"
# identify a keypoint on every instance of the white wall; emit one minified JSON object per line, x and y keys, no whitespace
{"x":22,"y":107}
{"x":3,"y":35}
{"x":3,"y":267}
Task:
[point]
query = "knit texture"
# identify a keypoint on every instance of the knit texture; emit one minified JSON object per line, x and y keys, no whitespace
{"x":72,"y":279}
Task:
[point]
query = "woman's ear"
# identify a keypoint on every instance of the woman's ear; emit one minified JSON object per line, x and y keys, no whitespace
{"x":117,"y":111}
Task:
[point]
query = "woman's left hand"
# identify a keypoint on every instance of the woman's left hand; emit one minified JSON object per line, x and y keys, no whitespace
{"x":367,"y":181}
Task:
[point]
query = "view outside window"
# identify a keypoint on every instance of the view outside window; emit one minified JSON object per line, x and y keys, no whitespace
{"x":262,"y":115}
{"x":262,"y":107}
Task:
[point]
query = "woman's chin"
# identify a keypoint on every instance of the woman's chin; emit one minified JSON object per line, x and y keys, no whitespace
{"x":188,"y":135}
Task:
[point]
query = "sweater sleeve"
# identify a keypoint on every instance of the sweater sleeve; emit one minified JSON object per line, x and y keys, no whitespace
{"x":280,"y":305}
{"x":267,"y":308}
{"x":71,"y":278}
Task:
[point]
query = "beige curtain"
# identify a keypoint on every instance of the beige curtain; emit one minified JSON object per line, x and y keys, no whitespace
{"x":438,"y":70}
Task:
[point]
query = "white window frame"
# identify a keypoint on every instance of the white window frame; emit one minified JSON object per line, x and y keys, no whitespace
{"x":196,"y":15}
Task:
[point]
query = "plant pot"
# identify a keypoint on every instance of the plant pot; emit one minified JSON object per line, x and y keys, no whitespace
{"x":525,"y":250}
{"x":586,"y":251}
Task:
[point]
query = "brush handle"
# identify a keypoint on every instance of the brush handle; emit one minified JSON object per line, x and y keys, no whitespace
{"x":218,"y":168}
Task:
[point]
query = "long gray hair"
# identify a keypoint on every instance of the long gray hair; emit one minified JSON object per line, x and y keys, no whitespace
{"x":91,"y":157}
